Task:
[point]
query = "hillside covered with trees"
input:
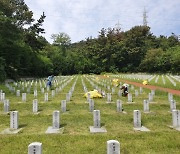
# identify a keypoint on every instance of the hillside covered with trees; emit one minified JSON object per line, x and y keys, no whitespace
{"x":24,"y":52}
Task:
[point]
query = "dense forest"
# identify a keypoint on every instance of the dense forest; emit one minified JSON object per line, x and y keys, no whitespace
{"x":25,"y":53}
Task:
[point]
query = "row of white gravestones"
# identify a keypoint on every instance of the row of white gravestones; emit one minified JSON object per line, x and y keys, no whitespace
{"x":113,"y":147}
{"x":96,"y":119}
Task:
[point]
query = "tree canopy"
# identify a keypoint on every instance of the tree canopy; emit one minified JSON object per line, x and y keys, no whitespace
{"x":24,"y":52}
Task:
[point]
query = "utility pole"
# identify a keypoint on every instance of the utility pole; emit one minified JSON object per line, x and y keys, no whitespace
{"x":144,"y":17}
{"x":117,"y":26}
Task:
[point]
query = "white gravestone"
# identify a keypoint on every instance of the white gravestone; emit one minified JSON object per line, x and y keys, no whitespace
{"x":35,"y":106}
{"x":55,"y":128}
{"x":24,"y":97}
{"x":63,"y":105}
{"x":68,"y":97}
{"x":88,"y":97}
{"x":96,"y":118}
{"x":108,"y":87}
{"x":140,"y":90}
{"x":119,"y":93}
{"x":6,"y":106}
{"x":14,"y":120}
{"x":35,"y":148}
{"x":35,"y":93}
{"x":153,"y":92}
{"x":176,"y":119}
{"x":42,"y":90}
{"x":137,"y":119}
{"x":28,"y":89}
{"x":109,"y":97}
{"x":2,"y":97}
{"x":18,"y":93}
{"x":46,"y":97}
{"x":136,"y":93}
{"x":150,"y":97}
{"x":97,"y":123}
{"x":91,"y":105}
{"x":137,"y":122}
{"x":119,"y":106}
{"x":146,"y":106}
{"x":56,"y":120}
{"x":132,"y":87}
{"x":113,"y":147}
{"x":57,"y":90}
{"x":172,"y":105}
{"x":170,"y":97}
{"x":130,"y":97}
{"x":113,"y":90}
{"x":52,"y":93}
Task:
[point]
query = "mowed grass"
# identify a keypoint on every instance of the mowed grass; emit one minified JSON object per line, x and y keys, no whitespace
{"x":77,"y":138}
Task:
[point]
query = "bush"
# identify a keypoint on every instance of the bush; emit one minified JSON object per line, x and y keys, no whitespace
{"x":2,"y":71}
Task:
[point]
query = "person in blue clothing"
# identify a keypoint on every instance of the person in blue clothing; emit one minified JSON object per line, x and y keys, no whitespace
{"x":49,"y":80}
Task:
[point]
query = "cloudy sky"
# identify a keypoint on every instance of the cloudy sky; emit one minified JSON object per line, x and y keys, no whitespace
{"x":84,"y":18}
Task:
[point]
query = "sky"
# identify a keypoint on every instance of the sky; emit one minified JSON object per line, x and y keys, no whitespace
{"x":81,"y":19}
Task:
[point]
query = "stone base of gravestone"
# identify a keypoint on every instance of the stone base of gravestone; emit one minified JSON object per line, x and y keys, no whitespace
{"x":176,"y":128}
{"x":142,"y":129}
{"x":152,"y":102}
{"x":4,"y":113}
{"x":51,"y":130}
{"x":20,"y":102}
{"x":36,"y":113}
{"x":130,"y":102}
{"x":97,"y":130}
{"x":42,"y":102}
{"x":11,"y":131}
{"x":147,"y":112}
{"x":124,"y":112}
{"x":110,"y":102}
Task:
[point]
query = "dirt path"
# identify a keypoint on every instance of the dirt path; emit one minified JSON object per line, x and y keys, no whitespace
{"x":175,"y":92}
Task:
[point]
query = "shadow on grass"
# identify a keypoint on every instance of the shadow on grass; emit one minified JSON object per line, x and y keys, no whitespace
{"x":63,"y":125}
{"x":22,"y":125}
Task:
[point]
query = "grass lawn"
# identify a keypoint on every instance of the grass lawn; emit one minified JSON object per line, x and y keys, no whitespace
{"x":77,"y":138}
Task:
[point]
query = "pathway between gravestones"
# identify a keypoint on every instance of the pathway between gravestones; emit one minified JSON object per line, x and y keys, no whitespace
{"x":173,"y":91}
